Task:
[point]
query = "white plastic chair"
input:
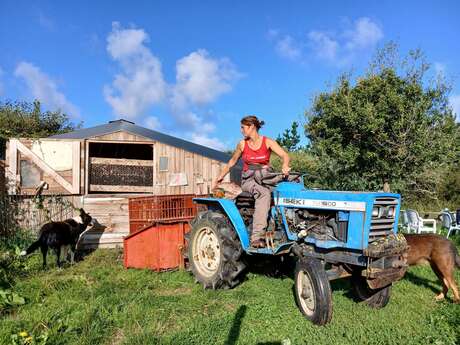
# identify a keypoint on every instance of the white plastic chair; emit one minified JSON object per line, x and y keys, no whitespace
{"x":420,"y":225}
{"x":448,"y":223}
{"x":404,"y":220}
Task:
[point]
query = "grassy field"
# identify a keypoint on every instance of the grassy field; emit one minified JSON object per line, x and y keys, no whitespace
{"x":97,"y":301}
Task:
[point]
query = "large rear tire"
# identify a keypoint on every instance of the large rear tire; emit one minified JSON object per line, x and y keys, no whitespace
{"x":312,"y":291}
{"x":215,"y":252}
{"x":374,"y":298}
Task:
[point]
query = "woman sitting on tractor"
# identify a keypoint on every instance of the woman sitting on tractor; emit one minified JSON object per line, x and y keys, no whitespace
{"x":255,"y":151}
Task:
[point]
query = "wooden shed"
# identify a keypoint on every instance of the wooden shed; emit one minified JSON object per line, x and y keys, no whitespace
{"x":100,"y":167}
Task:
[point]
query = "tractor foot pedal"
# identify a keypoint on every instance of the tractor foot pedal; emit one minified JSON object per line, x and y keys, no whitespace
{"x":269,"y":236}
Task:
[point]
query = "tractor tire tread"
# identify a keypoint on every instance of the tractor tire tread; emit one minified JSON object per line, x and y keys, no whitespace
{"x":232,"y":265}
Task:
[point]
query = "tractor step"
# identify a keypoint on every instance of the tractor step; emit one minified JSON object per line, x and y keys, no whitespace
{"x":260,"y":251}
{"x":278,"y":250}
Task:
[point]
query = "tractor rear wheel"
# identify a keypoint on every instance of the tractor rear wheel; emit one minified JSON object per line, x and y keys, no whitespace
{"x":313,"y":291}
{"x":215,"y":252}
{"x":374,"y":298}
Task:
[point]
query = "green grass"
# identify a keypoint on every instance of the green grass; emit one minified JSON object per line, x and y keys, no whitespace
{"x":97,"y":301}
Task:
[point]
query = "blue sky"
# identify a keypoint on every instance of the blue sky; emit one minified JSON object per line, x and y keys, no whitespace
{"x":194,"y":68}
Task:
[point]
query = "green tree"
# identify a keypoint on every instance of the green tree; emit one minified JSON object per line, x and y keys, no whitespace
{"x":302,"y":161}
{"x":290,"y":138}
{"x":391,"y":126}
{"x":27,"y":120}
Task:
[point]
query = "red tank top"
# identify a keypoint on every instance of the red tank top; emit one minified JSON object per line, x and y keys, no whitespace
{"x":259,"y":156}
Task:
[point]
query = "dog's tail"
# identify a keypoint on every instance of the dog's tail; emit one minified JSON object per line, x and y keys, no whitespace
{"x":33,"y":247}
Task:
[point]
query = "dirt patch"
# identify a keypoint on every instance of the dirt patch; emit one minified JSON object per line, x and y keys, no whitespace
{"x":117,"y":337}
{"x":174,"y":292}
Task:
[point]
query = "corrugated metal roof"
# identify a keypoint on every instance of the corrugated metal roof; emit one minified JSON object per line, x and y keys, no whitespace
{"x":127,"y":126}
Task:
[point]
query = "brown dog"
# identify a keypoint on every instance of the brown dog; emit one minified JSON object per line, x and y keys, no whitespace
{"x":442,"y":256}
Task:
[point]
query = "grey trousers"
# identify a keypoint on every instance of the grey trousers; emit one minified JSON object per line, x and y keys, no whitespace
{"x":262,"y":196}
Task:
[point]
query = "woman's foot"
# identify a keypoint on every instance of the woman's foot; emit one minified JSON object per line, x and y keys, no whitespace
{"x":259,"y":243}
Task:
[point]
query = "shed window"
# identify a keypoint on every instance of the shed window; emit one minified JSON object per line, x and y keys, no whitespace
{"x":163,"y":163}
{"x":30,"y":174}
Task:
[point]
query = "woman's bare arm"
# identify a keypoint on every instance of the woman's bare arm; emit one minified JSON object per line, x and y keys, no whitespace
{"x":236,"y":155}
{"x":275,"y":147}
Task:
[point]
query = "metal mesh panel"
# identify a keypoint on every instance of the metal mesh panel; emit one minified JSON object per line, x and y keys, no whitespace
{"x":121,"y":175}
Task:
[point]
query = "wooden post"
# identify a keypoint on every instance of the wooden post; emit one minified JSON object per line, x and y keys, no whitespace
{"x":386,"y":186}
{"x":76,"y":167}
{"x":86,"y":167}
{"x":12,"y":166}
{"x":155,"y":162}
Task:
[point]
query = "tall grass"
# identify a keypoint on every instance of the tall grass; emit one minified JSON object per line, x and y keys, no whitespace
{"x":97,"y":301}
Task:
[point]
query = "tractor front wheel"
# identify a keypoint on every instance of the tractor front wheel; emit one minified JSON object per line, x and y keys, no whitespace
{"x":215,"y":252}
{"x":313,"y":291}
{"x":374,"y":298}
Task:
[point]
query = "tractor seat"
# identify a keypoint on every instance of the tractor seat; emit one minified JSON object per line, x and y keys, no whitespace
{"x":245,"y":195}
{"x":244,"y":199}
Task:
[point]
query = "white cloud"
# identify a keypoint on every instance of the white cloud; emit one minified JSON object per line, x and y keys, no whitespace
{"x":205,"y":140}
{"x":45,"y":21}
{"x":342,"y":48}
{"x":454,"y":101}
{"x":364,"y":34}
{"x":201,"y":79}
{"x":336,"y":48}
{"x":323,"y":45}
{"x":273,"y":33}
{"x":288,"y":48}
{"x":126,"y":43}
{"x":43,"y":88}
{"x":152,"y":122}
{"x":141,"y":84}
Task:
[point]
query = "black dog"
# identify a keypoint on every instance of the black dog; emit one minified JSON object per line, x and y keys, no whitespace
{"x":59,"y":235}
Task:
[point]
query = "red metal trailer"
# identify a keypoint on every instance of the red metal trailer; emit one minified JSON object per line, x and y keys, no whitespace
{"x":157,"y":227}
{"x":157,"y":246}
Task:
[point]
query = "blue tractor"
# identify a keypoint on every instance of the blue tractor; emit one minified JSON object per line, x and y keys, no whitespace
{"x":332,"y":235}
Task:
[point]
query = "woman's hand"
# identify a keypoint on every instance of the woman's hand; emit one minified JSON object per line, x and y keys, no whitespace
{"x":216,"y":182}
{"x":285,"y":169}
{"x":236,"y":155}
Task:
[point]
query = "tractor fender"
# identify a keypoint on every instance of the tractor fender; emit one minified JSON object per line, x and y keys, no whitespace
{"x":229,"y":209}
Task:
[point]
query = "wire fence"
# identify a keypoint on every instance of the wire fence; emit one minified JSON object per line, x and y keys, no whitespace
{"x":30,"y":213}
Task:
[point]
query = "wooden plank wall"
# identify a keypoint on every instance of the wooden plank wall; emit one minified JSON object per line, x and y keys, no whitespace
{"x":200,"y":171}
{"x":112,"y":216}
{"x":54,"y":187}
{"x":122,"y":136}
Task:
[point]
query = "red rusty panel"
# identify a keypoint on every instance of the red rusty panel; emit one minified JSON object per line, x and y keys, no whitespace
{"x":157,"y":247}
{"x":160,"y":208}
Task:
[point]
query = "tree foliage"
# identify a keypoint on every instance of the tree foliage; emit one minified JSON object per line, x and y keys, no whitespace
{"x":290,"y":138}
{"x":28,"y":120}
{"x":390,"y":126}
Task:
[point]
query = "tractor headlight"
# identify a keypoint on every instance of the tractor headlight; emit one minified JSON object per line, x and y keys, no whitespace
{"x":375,"y":212}
{"x":391,"y":212}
